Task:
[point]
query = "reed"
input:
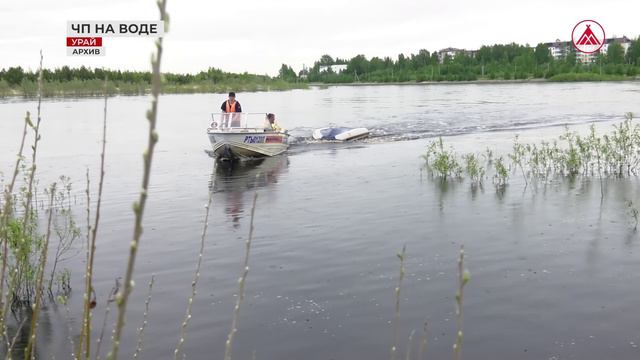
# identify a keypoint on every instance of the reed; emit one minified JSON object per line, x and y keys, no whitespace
{"x":394,"y":347}
{"x":138,"y":207}
{"x":463,"y":279}
{"x":423,"y":342}
{"x":66,"y":231}
{"x":85,"y":334}
{"x":196,"y":276}
{"x":29,"y":353}
{"x":4,"y":220}
{"x":22,"y":269}
{"x":110,"y":299}
{"x":409,"y":343}
{"x":241,"y":285}
{"x":145,"y":320}
{"x":32,"y":171}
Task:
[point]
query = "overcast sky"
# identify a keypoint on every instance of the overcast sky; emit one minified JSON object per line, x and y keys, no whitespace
{"x":259,"y":35}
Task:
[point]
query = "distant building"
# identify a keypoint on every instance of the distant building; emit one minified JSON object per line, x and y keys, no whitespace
{"x":336,"y":68}
{"x":453,"y":52}
{"x":450,"y":52}
{"x":559,"y":49}
{"x":624,"y":41}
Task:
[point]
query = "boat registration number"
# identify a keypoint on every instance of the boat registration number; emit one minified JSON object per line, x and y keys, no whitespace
{"x":261,"y":139}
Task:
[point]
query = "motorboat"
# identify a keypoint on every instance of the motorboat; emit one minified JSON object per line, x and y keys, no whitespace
{"x":242,"y":136}
{"x":340,"y":133}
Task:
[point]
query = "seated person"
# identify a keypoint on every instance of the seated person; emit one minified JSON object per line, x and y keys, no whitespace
{"x":270,"y":123}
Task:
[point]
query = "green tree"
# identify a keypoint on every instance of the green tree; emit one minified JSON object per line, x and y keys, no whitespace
{"x":358,"y":65}
{"x":633,"y":53}
{"x":542,"y":54}
{"x":286,"y":73}
{"x":570,"y":59}
{"x":326,"y":60}
{"x":14,"y":75}
{"x":615,"y":54}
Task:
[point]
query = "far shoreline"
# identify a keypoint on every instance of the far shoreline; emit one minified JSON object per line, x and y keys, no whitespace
{"x":95,"y":93}
{"x":467,"y":82}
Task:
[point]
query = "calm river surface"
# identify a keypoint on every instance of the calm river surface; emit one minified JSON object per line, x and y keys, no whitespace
{"x":553,"y":274}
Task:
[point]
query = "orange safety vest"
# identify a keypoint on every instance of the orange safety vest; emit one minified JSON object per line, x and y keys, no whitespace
{"x":231,"y":108}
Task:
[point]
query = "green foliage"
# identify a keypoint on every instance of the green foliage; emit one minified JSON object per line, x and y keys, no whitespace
{"x":633,"y":53}
{"x":616,"y":154}
{"x":473,"y":168}
{"x":615,"y":54}
{"x":444,"y":163}
{"x":542,"y":54}
{"x":286,"y":73}
{"x":501,"y":175}
{"x":84,"y":81}
{"x":518,"y":156}
{"x":500,"y":61}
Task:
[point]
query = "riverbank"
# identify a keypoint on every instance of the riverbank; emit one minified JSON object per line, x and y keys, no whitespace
{"x":88,"y":88}
{"x":555,"y":79}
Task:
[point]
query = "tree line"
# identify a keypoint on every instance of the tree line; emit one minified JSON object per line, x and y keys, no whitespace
{"x":17,"y":75}
{"x":500,"y":61}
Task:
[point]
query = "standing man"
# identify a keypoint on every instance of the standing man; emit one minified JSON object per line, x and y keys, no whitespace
{"x":231,"y":106}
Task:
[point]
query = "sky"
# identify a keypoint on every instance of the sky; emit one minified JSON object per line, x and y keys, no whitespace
{"x":257,"y":36}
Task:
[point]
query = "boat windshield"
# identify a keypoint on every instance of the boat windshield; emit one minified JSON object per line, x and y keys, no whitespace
{"x":222,"y":121}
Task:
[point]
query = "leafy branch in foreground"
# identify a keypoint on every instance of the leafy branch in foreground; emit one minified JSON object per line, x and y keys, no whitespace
{"x":122,"y":297}
{"x":196,"y":276}
{"x":29,"y":351}
{"x":241,"y":285}
{"x":92,"y":233}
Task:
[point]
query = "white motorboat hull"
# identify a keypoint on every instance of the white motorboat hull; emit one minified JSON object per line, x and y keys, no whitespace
{"x":240,"y":144}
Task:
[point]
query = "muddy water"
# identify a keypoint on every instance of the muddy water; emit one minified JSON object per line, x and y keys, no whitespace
{"x":553,"y":271}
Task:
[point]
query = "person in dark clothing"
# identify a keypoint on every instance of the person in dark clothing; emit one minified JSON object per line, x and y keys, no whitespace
{"x":233,"y":107}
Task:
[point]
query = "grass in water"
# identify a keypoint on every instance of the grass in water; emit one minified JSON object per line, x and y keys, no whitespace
{"x":615,"y":154}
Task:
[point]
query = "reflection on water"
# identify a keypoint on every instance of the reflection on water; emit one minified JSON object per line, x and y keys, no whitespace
{"x":233,"y":179}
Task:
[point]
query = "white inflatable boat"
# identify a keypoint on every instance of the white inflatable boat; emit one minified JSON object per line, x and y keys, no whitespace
{"x":340,"y":133}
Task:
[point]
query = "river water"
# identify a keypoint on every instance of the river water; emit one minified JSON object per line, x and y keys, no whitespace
{"x":553,"y":273}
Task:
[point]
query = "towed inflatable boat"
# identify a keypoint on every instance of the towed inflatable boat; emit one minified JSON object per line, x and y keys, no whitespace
{"x":340,"y":133}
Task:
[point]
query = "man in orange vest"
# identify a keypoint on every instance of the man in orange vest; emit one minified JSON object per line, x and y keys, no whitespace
{"x":231,"y":106}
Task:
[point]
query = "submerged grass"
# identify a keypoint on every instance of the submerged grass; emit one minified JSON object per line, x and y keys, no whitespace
{"x":615,"y":154}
